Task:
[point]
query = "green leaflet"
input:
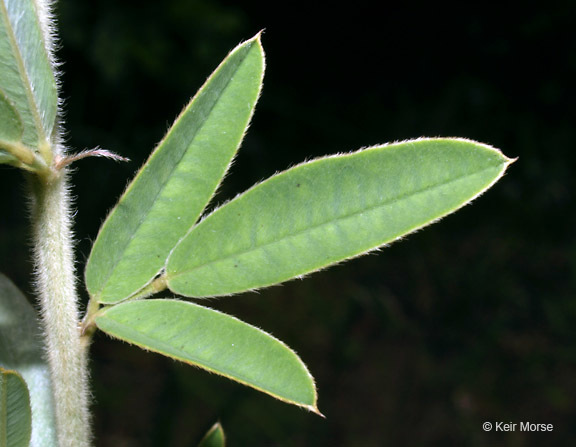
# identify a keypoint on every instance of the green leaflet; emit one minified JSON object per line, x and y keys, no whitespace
{"x":173,"y":187}
{"x":27,"y":80}
{"x":214,"y":341}
{"x":214,"y":437}
{"x":15,"y":415}
{"x":328,"y":210}
{"x":21,"y":350}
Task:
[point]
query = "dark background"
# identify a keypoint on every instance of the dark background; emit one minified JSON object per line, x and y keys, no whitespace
{"x":471,"y":320}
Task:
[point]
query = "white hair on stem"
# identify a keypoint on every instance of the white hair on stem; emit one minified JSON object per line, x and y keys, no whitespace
{"x":55,"y":278}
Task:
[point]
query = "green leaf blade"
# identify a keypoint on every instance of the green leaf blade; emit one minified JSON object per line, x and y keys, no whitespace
{"x":213,"y":341}
{"x":215,"y":437}
{"x":21,"y":350}
{"x":170,"y":191}
{"x":10,"y":123}
{"x":10,"y":133}
{"x":27,"y":79}
{"x":329,"y":210}
{"x":15,"y":414}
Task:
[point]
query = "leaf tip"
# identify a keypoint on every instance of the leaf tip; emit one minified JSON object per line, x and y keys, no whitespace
{"x":258,"y":35}
{"x":314,"y":409}
{"x":256,"y":39}
{"x":509,"y":160}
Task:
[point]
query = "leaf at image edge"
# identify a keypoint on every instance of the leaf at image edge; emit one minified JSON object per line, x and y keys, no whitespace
{"x":328,"y":210}
{"x":214,"y":437}
{"x":172,"y":188}
{"x":27,"y":79}
{"x":15,"y":412}
{"x":21,"y":349}
{"x":214,"y":341}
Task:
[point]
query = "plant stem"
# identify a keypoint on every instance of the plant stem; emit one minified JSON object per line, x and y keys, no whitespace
{"x":56,"y":289}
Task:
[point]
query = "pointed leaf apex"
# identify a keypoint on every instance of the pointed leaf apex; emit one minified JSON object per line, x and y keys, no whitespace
{"x":314,"y":409}
{"x":256,"y":38}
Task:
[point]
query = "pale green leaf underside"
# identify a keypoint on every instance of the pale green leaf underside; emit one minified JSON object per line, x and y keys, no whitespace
{"x":170,"y":191}
{"x":27,"y":79}
{"x":21,"y":350}
{"x":214,"y":437}
{"x":15,"y":415}
{"x":328,"y":210}
{"x":214,"y":341}
{"x":10,"y":130}
{"x":10,"y":124}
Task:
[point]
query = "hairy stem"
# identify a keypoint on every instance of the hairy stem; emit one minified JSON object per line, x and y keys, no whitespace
{"x":56,"y":289}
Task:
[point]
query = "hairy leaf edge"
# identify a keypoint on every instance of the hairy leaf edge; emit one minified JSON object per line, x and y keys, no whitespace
{"x":506,"y":161}
{"x":310,"y":407}
{"x":257,"y":40}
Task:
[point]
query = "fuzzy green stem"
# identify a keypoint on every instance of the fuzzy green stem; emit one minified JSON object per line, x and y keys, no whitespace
{"x":56,"y":289}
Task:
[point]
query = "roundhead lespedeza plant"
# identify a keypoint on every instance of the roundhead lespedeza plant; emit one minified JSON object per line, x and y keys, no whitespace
{"x":156,"y":242}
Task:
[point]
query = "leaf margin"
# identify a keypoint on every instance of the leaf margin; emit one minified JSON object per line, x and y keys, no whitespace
{"x":97,"y":295}
{"x":313,"y":407}
{"x":505,"y":162}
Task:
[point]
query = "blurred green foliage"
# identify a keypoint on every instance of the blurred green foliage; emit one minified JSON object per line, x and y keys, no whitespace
{"x":471,"y":320}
